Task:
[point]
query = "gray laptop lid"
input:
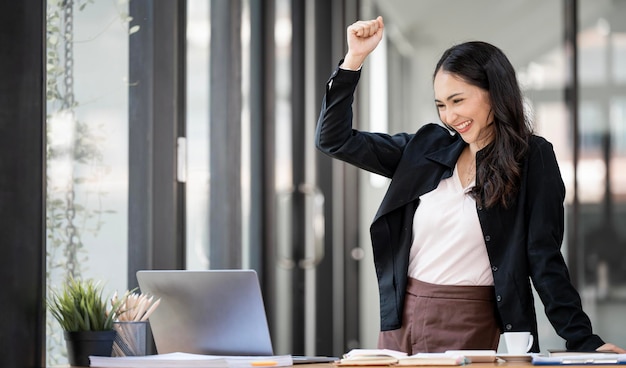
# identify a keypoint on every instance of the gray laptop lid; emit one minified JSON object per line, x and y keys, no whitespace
{"x":218,"y":312}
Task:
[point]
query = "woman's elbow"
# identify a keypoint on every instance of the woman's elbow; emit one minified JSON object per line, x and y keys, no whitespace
{"x":323,"y":146}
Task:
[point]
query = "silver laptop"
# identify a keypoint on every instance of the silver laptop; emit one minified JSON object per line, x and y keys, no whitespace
{"x":217,"y":312}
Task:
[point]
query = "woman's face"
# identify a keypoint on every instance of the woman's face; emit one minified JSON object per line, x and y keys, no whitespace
{"x":465,"y":108}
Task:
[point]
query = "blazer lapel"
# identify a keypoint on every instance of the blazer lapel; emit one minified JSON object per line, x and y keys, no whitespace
{"x":420,"y":175}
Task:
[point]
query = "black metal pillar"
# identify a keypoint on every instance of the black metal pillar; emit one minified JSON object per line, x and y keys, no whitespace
{"x":22,"y":182}
{"x":225,"y":239}
{"x":262,"y":132}
{"x":156,"y":212}
{"x":298,"y":147}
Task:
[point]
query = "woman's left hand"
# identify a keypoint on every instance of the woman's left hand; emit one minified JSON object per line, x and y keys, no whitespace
{"x":610,"y":348}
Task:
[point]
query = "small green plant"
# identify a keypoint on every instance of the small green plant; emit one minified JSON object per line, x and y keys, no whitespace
{"x":80,"y":306}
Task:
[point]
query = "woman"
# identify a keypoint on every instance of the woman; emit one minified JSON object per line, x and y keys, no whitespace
{"x":469,"y":218}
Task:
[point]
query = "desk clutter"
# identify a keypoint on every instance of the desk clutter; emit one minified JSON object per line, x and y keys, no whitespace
{"x":386,"y":357}
{"x":189,"y":330}
{"x":357,"y":358}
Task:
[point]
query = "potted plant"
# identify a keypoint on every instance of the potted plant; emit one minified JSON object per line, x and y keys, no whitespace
{"x":85,"y":318}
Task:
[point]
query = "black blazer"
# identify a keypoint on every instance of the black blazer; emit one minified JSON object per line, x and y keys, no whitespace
{"x":523,"y":241}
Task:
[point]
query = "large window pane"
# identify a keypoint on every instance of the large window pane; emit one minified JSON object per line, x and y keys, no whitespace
{"x":199,"y":140}
{"x":198,"y":143}
{"x":602,"y":184}
{"x":283,"y":338}
{"x":87,"y":156}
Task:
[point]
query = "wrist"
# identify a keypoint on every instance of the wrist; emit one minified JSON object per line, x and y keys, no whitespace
{"x":352,"y":62}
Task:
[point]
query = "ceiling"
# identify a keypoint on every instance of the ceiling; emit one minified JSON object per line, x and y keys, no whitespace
{"x":522,"y":28}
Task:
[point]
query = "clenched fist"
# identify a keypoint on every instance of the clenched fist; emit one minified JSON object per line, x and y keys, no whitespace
{"x":363,"y":37}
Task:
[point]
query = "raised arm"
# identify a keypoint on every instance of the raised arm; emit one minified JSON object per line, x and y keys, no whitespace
{"x":363,"y":37}
{"x":376,"y":152}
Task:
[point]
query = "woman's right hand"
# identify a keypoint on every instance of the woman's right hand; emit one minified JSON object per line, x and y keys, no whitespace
{"x":363,"y":37}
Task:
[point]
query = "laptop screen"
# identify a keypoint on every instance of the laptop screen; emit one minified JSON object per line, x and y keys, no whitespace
{"x":216,"y":312}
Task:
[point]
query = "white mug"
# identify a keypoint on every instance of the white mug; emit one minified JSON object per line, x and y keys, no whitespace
{"x":518,"y":342}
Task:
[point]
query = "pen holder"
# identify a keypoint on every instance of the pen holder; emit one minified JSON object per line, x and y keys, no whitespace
{"x":130,"y":339}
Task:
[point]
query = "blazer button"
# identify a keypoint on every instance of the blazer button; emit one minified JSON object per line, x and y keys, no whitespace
{"x":499,"y":298}
{"x":487,"y":238}
{"x":494,"y":268}
{"x":480,"y":208}
{"x":508,"y":326}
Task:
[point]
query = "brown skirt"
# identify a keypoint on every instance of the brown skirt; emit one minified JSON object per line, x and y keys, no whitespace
{"x":437,"y":318}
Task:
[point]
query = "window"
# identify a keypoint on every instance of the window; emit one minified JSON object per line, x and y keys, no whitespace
{"x":87,"y":164}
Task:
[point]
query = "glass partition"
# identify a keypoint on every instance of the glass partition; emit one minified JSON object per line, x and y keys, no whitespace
{"x":283,"y":306}
{"x":602,"y":159}
{"x":198,"y":140}
{"x":87,"y":163}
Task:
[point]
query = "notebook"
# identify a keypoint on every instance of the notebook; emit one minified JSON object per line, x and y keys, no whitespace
{"x":581,"y":359}
{"x":215,"y":312}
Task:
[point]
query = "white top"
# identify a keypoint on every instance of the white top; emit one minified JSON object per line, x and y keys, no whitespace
{"x":448,"y":246}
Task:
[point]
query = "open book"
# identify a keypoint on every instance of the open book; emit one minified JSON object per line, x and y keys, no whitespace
{"x":186,"y":360}
{"x":386,"y":357}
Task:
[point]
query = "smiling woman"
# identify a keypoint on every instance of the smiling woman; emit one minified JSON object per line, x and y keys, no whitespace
{"x":480,"y":246}
{"x":484,"y":105}
{"x":466,"y":109}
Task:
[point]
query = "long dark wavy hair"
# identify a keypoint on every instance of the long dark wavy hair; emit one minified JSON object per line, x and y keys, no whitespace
{"x":498,"y":173}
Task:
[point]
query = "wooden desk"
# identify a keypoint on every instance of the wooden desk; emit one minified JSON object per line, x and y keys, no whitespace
{"x":472,"y":365}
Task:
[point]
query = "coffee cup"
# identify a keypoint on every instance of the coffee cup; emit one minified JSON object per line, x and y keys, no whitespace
{"x":518,"y":342}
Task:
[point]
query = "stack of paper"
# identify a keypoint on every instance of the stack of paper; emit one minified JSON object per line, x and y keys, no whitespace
{"x":433,"y":359}
{"x":386,"y":357}
{"x":186,"y":360}
{"x":370,"y":357}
